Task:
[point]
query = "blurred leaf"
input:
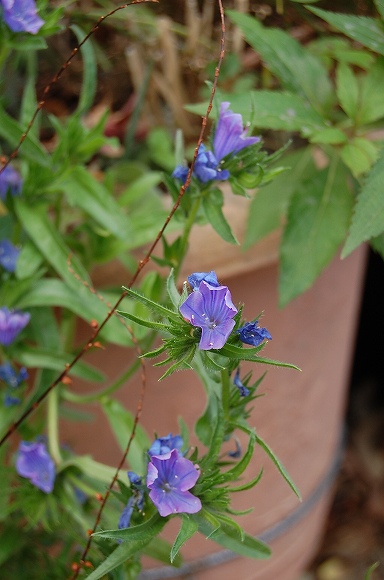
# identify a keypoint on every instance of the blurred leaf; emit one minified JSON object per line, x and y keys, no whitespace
{"x":359,"y":155}
{"x":270,"y":203}
{"x":347,"y":90}
{"x":373,"y":567}
{"x":83,"y":191}
{"x":332,"y":136}
{"x":298,"y":70}
{"x":29,"y":261}
{"x":368,"y":216}
{"x":122,"y":422}
{"x":11,"y":131}
{"x":318,"y":220}
{"x":89,"y":68}
{"x":371,"y":106}
{"x":380,"y":7}
{"x":367,"y":31}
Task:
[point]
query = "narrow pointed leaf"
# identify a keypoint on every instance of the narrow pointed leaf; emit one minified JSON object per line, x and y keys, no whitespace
{"x":216,"y":218}
{"x":188,"y":528}
{"x":154,"y":306}
{"x":278,"y":464}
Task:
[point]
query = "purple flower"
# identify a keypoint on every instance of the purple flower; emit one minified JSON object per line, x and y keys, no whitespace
{"x":9,"y":376}
{"x":252,"y":334}
{"x":210,"y":308}
{"x":10,"y":400}
{"x":244,"y":392}
{"x":8,"y":255}
{"x":10,"y":180}
{"x":34,"y":463}
{"x":11,"y":323}
{"x":230,"y":136}
{"x":197,"y":277}
{"x":21,"y":15}
{"x":180,"y":172}
{"x":164,"y":445}
{"x":207,"y":166}
{"x":169,"y":478}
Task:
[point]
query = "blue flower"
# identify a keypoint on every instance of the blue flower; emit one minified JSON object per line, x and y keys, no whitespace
{"x":10,"y":180}
{"x":163,"y":445}
{"x":210,"y":308}
{"x":136,"y":499}
{"x":244,"y":392}
{"x":197,"y":277}
{"x":207,"y":166}
{"x":9,"y":376}
{"x":34,"y":462}
{"x":169,"y":478}
{"x":10,"y":400}
{"x":180,"y":172}
{"x":230,"y":135}
{"x":11,"y":323}
{"x":21,"y":15}
{"x":252,"y":334}
{"x":8,"y":255}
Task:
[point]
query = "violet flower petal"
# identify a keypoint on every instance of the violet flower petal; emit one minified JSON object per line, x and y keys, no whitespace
{"x":8,"y":255}
{"x":12,"y":323}
{"x":251,"y":333}
{"x":21,"y":16}
{"x":230,"y":135}
{"x":35,"y":463}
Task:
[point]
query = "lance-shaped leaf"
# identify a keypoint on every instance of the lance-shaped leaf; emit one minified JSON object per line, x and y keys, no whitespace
{"x":189,"y":527}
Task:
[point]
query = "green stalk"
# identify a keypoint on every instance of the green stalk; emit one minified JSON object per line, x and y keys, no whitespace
{"x":53,"y":426}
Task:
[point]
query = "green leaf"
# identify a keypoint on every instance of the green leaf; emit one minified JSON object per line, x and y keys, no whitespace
{"x":216,"y":218}
{"x":368,"y":216}
{"x":298,"y":70}
{"x":359,"y":155}
{"x":347,"y":90}
{"x":235,"y":472}
{"x":380,"y":7}
{"x":371,"y":106}
{"x":122,"y":422}
{"x":50,"y":359}
{"x":270,"y":203}
{"x":42,"y":232}
{"x":89,"y":68}
{"x":173,"y":292}
{"x":332,"y":136}
{"x":154,"y":306}
{"x":83,"y":191}
{"x":278,"y":464}
{"x":118,"y":557}
{"x":29,"y":261}
{"x":318,"y":220}
{"x":367,"y":31}
{"x":372,"y":568}
{"x":11,"y":131}
{"x":188,"y":528}
{"x":139,"y":535}
{"x":228,"y":537}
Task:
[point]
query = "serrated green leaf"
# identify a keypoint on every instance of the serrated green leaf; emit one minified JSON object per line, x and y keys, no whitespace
{"x":270,"y":203}
{"x":188,"y":528}
{"x":371,"y":107}
{"x":368,"y":216}
{"x":89,"y":68}
{"x":318,"y":220}
{"x":359,"y":155}
{"x":298,"y":70}
{"x":216,"y":218}
{"x":347,"y":90}
{"x":367,"y":31}
{"x":278,"y":464}
{"x":122,"y":422}
{"x":83,"y":191}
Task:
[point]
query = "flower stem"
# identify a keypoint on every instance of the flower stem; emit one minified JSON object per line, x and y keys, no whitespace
{"x":185,"y":235}
{"x":53,"y":426}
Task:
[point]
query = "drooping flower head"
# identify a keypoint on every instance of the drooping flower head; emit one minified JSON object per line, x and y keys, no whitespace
{"x":163,"y":445}
{"x":210,"y":308}
{"x":11,"y":377}
{"x":252,"y":333}
{"x":8,"y":255}
{"x":11,"y":323}
{"x":169,"y":478}
{"x":10,"y":180}
{"x":21,"y":15}
{"x":230,"y":135}
{"x":197,"y":277}
{"x":244,"y":392}
{"x":34,"y":462}
{"x":136,"y":500}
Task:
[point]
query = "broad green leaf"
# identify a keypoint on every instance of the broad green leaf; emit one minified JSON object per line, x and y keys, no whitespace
{"x":11,"y":131}
{"x":332,"y":136}
{"x":347,"y":90}
{"x":298,"y":70}
{"x":83,"y":191}
{"x":29,"y":261}
{"x":33,"y":357}
{"x":281,"y":111}
{"x":377,"y":244}
{"x":216,"y":218}
{"x":188,"y":528}
{"x":367,"y":31}
{"x":270,"y":203}
{"x":226,"y":536}
{"x":371,"y":107}
{"x":359,"y":155}
{"x":278,"y":464}
{"x":122,"y":422}
{"x":42,"y":232}
{"x":368,"y":216}
{"x":318,"y":220}
{"x":89,"y":68}
{"x":380,"y":7}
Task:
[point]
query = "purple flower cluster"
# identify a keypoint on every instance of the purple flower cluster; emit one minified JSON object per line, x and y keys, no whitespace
{"x":10,"y":180}
{"x":170,"y":477}
{"x":11,"y":323}
{"x":8,"y":255}
{"x":21,"y":15}
{"x":34,"y":462}
{"x":209,"y":307}
{"x":12,"y":380}
{"x":252,"y":333}
{"x":230,"y":138}
{"x":165,"y":444}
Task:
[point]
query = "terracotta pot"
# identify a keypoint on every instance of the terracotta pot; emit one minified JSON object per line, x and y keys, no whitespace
{"x":300,"y":416}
